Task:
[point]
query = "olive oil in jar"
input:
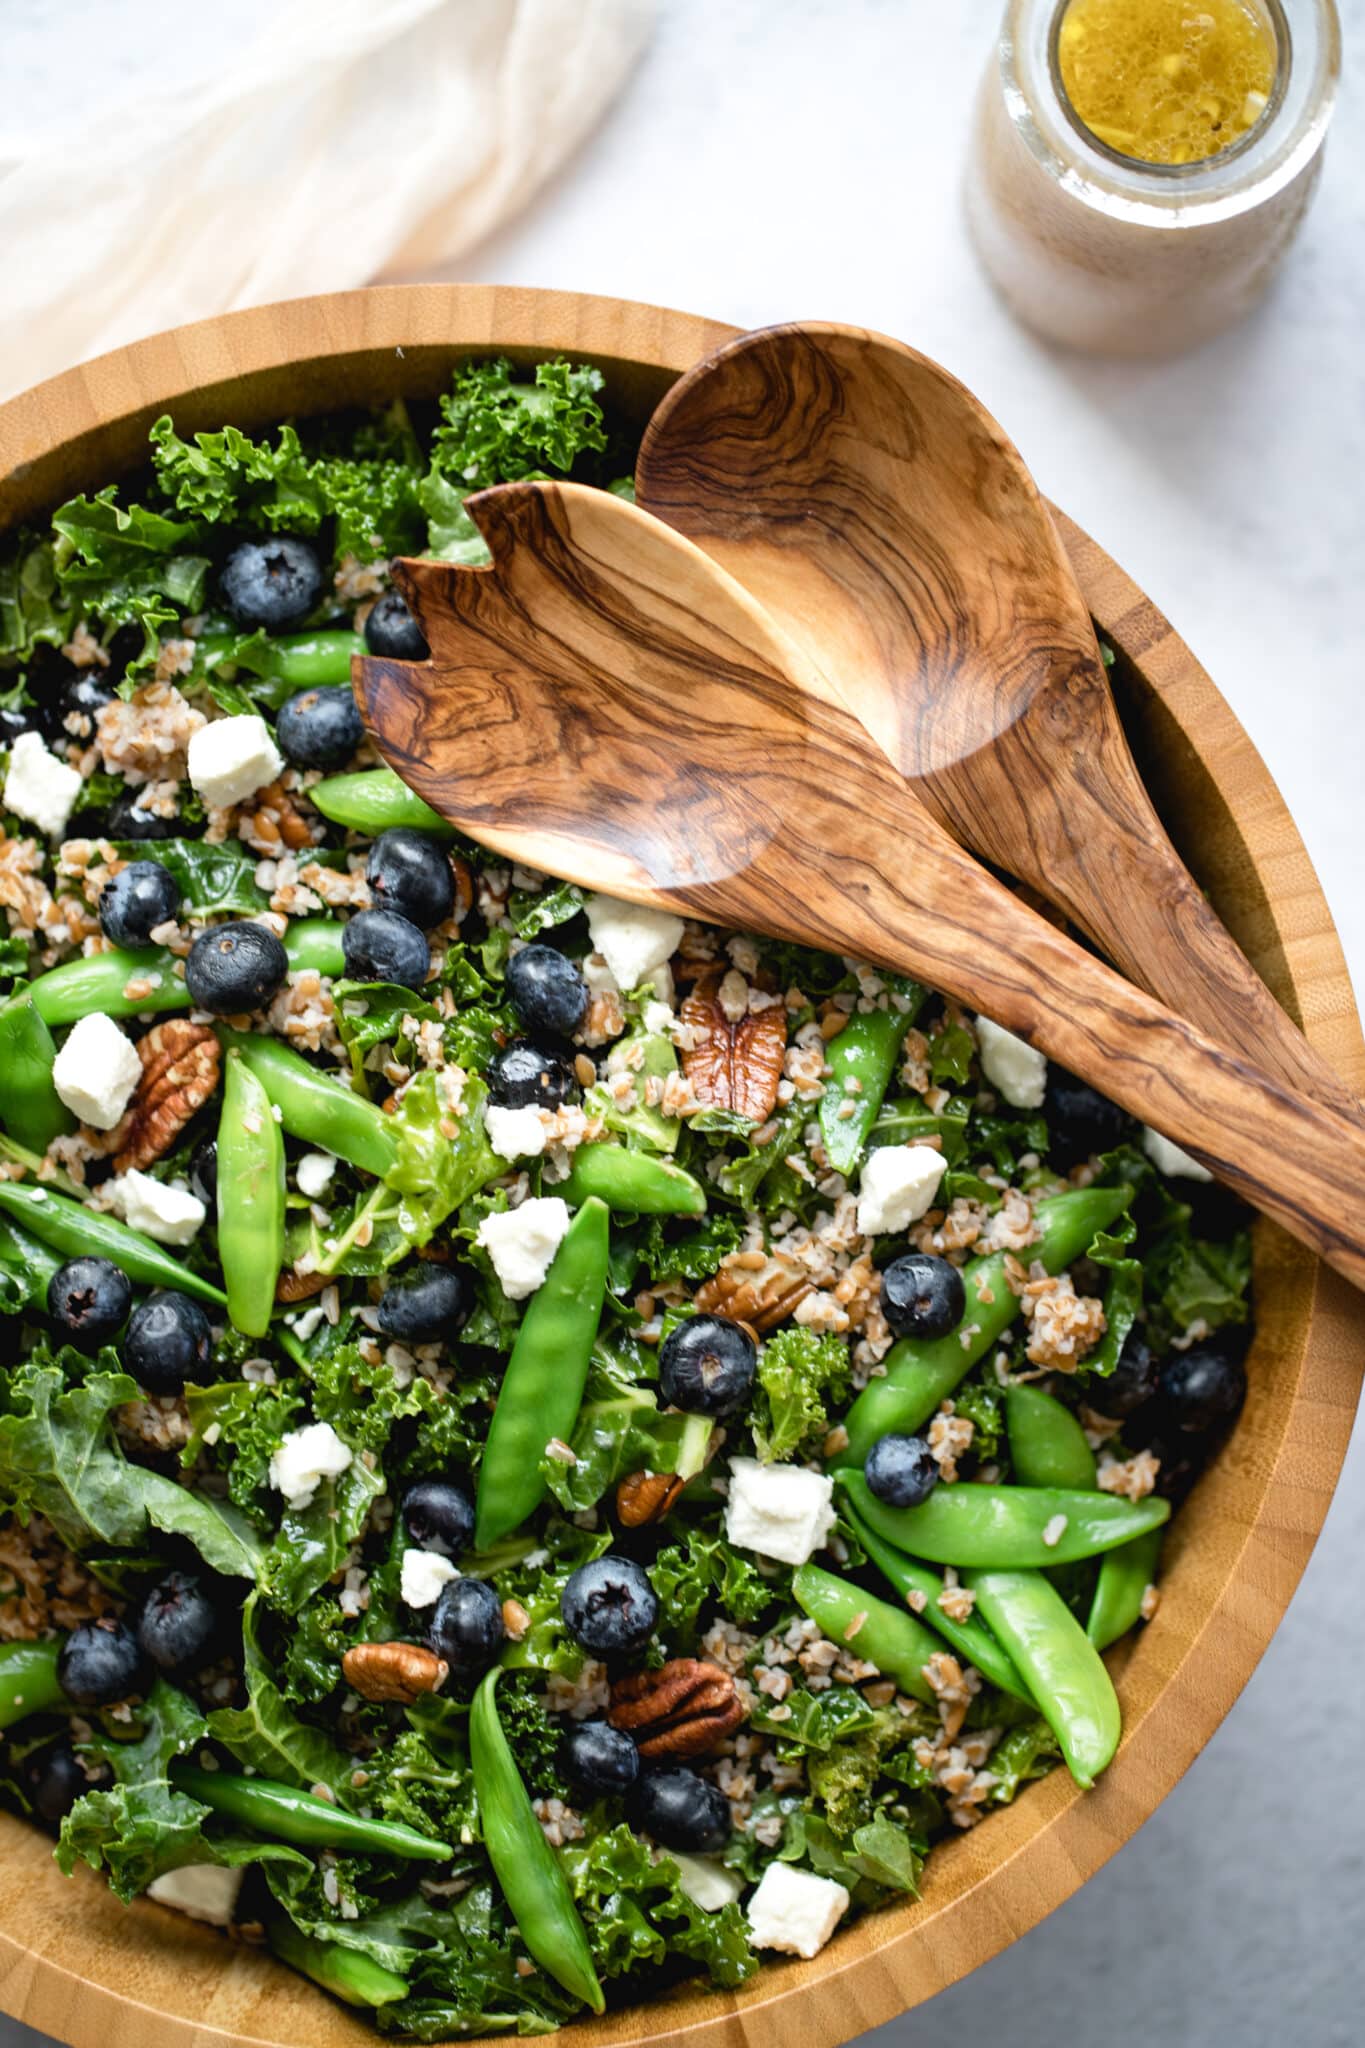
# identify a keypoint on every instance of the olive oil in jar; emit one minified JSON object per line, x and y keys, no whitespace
{"x":1167,"y":81}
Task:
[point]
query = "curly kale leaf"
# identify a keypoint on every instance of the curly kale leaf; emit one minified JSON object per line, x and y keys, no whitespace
{"x":497,"y":426}
{"x":636,"y":1911}
{"x":1027,"y":1752}
{"x":702,"y":1566}
{"x":34,"y":612}
{"x":267,"y":1737}
{"x":801,"y":1378}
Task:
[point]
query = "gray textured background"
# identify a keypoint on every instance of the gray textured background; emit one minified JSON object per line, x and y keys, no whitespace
{"x":802,"y":159}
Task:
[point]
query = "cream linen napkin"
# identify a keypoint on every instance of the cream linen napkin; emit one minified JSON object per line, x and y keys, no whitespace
{"x":354,"y":137}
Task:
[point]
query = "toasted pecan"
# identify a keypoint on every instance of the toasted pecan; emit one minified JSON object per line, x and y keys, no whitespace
{"x":646,"y":1497}
{"x":683,"y":1709}
{"x":733,"y":1066}
{"x":761,"y":1295}
{"x":180,"y":1067}
{"x":393,"y":1671}
{"x":295,"y":1286}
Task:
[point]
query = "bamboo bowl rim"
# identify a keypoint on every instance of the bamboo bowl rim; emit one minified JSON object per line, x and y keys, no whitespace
{"x":78,"y":1965}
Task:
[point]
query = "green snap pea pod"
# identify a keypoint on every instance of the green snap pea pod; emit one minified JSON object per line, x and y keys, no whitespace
{"x":302,"y":660}
{"x":542,"y":1389}
{"x":1074,"y":1692}
{"x":971,"y":1637}
{"x":987,"y":1526}
{"x":1047,"y":1444}
{"x":1125,"y":1575}
{"x":250,"y":1198}
{"x":889,"y":1637}
{"x":74,"y":1229}
{"x":921,"y":1374}
{"x":374,"y":800}
{"x":125,"y":984}
{"x":531,"y":1876}
{"x":640,"y":1183}
{"x":31,"y":1110}
{"x":28,"y":1680}
{"x":315,"y":1106}
{"x":345,"y":1972}
{"x":315,"y":942}
{"x":864,"y":1052}
{"x":289,"y":1815}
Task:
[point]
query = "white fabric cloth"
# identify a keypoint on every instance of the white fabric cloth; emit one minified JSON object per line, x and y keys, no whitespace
{"x":351,"y":139}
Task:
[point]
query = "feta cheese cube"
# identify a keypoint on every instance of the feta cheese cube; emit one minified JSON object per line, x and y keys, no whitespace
{"x":631,"y":939}
{"x":514,"y":1133}
{"x":781,"y":1511}
{"x":1168,"y":1157}
{"x":39,"y":787}
{"x":204,"y":1891}
{"x":657,"y":1016}
{"x":1015,"y":1069}
{"x":231,"y":758}
{"x":96,"y":1071}
{"x":313,"y":1174}
{"x":305,"y":1458}
{"x":423,"y":1575}
{"x":169,"y":1214}
{"x":897,"y":1186}
{"x":795,"y":1911}
{"x":522,"y":1242}
{"x":706,"y":1882}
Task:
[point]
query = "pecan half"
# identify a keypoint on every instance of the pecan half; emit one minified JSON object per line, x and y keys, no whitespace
{"x":646,"y":1497}
{"x":393,"y":1671}
{"x":180,"y":1065}
{"x":294,"y":1286}
{"x":761,"y":1294}
{"x":683,"y":1709}
{"x":733,"y":1066}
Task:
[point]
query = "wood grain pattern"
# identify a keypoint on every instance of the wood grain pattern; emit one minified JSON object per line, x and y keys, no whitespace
{"x":883,"y":518}
{"x":606,"y":701}
{"x":90,"y":1972}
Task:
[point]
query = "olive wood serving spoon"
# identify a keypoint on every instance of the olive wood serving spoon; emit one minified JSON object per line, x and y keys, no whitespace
{"x":885,"y":521}
{"x":605,"y":702}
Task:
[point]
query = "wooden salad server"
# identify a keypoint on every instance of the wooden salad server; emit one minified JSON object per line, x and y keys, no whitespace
{"x":885,"y":521}
{"x":604,"y":701}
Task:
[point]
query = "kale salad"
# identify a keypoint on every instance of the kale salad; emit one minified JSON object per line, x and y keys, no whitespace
{"x":545,"y":1448}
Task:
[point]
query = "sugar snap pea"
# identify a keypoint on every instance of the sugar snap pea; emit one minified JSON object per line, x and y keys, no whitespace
{"x":28,"y":1680}
{"x":315,"y":942}
{"x":250,"y":1198}
{"x":345,"y":1972}
{"x":373,"y":801}
{"x":638,"y":1183}
{"x":1006,"y":1526}
{"x":531,"y":1876}
{"x":300,"y":660}
{"x":127,"y":984}
{"x":864,"y":1053}
{"x":542,"y":1389}
{"x":31,"y":1110}
{"x":889,"y":1637}
{"x":920,"y":1374}
{"x":1047,"y":1444}
{"x":73,"y":1228}
{"x":1074,"y":1692}
{"x":971,"y":1637}
{"x":289,"y":1815}
{"x":1125,"y":1575}
{"x":314,"y":1105}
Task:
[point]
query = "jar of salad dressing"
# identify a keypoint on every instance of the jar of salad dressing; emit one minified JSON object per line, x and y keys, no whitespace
{"x":1139,"y":167}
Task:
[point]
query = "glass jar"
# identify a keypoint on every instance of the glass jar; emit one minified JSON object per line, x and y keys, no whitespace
{"x":1107,"y":253}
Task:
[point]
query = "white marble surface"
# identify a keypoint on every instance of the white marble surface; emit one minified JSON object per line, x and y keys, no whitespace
{"x":803,"y":159}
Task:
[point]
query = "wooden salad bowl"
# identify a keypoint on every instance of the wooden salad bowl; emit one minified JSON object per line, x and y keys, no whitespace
{"x":98,"y":1975}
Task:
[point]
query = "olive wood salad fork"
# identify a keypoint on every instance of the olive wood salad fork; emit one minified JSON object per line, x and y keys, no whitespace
{"x":885,"y":521}
{"x":604,"y":701}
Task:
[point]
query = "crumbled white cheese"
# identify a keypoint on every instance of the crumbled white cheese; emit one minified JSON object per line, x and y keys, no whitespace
{"x":204,"y":1891}
{"x":424,"y":1574}
{"x":39,"y":787}
{"x":706,"y":1882}
{"x":631,"y":939}
{"x":1015,"y":1069}
{"x":304,"y":1459}
{"x":1168,"y":1157}
{"x":231,"y":758}
{"x":795,"y":1911}
{"x":781,"y":1511}
{"x":171,"y":1215}
{"x":522,"y":1242}
{"x":313,"y":1174}
{"x":514,"y":1133}
{"x":897,"y":1186}
{"x":96,"y":1071}
{"x":657,"y":1016}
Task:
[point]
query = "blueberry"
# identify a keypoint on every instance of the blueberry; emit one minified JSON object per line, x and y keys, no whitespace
{"x":178,"y":1623}
{"x":1181,"y":1454}
{"x":599,"y":1760}
{"x":707,"y":1365}
{"x":54,"y":1779}
{"x":432,"y":1303}
{"x":139,"y":898}
{"x":523,"y":1073}
{"x":439,"y":1515}
{"x":89,"y":1299}
{"x":235,"y":967}
{"x":1203,"y":1388}
{"x":71,"y":714}
{"x":409,"y":872}
{"x":609,"y":1606}
{"x":1080,"y":1121}
{"x":680,"y":1810}
{"x":548,"y":993}
{"x":1133,"y":1380}
{"x":392,"y":631}
{"x":379,"y":945}
{"x":901,"y":1470}
{"x":923,"y":1296}
{"x":273,"y":582}
{"x":169,"y":1343}
{"x":466,"y":1628}
{"x":204,"y":1171}
{"x":320,"y":728}
{"x":128,"y":820}
{"x":101,"y":1661}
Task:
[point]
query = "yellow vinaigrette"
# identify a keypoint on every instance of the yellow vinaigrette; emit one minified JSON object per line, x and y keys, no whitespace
{"x":1167,"y":81}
